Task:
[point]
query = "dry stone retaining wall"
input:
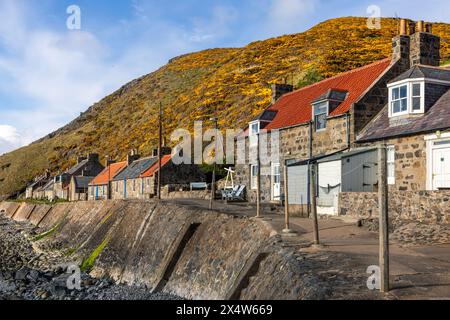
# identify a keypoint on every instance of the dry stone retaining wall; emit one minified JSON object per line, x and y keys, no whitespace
{"x":422,"y":206}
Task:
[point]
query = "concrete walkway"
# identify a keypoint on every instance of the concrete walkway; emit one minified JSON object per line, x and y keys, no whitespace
{"x":417,"y":272}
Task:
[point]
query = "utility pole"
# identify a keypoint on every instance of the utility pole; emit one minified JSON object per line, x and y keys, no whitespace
{"x":160,"y":150}
{"x":258,"y":178}
{"x":314,"y":203}
{"x":108,"y":195}
{"x":384,"y":218}
{"x":213,"y":183}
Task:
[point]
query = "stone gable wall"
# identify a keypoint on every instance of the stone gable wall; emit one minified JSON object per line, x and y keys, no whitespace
{"x":295,"y":145}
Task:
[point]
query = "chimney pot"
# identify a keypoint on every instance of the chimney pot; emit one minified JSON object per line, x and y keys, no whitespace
{"x":403,"y":27}
{"x":429,"y":28}
{"x":420,"y":26}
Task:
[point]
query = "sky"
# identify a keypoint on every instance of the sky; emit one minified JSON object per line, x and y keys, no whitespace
{"x":50,"y":72}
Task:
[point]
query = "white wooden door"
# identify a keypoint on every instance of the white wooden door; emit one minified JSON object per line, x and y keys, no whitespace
{"x":441,"y":168}
{"x":276,"y":181}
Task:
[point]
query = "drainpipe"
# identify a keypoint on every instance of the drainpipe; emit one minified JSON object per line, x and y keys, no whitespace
{"x":309,"y":167}
{"x":348,"y":131}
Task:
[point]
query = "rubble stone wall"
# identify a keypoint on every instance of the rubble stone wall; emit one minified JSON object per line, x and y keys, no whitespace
{"x":422,"y":206}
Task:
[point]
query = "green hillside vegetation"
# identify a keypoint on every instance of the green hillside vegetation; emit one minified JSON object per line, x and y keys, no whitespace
{"x":234,"y":82}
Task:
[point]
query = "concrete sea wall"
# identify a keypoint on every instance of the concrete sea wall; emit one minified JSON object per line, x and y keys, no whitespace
{"x":190,"y":252}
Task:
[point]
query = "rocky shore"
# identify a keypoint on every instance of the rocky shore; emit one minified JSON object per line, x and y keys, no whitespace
{"x":28,"y":274}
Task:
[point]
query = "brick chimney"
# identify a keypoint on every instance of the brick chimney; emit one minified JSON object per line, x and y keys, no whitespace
{"x":401,"y":47}
{"x":93,"y":157}
{"x":278,"y":90}
{"x":424,"y":46}
{"x":415,"y":45}
{"x":133,"y":156}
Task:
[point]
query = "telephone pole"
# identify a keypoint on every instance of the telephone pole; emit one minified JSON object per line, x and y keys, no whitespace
{"x":160,"y":150}
{"x":314,"y":204}
{"x":384,"y":218}
{"x":213,"y":183}
{"x":258,"y":178}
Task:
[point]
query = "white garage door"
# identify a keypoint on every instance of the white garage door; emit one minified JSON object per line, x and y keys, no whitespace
{"x":329,"y":185}
{"x":298,"y":184}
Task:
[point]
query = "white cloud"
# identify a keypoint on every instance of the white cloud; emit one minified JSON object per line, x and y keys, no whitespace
{"x":286,"y":14}
{"x":57,"y":73}
{"x":9,"y":138}
{"x":216,"y":26}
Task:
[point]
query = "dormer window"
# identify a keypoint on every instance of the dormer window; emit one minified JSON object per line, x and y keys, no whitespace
{"x":254,"y":130}
{"x":320,"y":115}
{"x":325,"y":104}
{"x":255,"y":127}
{"x":406,"y":98}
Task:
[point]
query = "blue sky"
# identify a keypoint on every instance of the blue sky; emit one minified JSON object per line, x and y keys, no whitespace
{"x":49,"y":74}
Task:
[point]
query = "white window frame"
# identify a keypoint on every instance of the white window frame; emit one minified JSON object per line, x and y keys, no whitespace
{"x":391,"y":162}
{"x":253,"y":135}
{"x":400,"y":99}
{"x":254,"y":178}
{"x":409,"y":83}
{"x":314,"y":115}
{"x":422,"y":97}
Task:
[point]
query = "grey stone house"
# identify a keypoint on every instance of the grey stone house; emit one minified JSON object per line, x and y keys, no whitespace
{"x":328,"y":119}
{"x":89,"y":166}
{"x":38,"y":183}
{"x":139,"y":179}
{"x":415,"y":125}
{"x":78,"y":188}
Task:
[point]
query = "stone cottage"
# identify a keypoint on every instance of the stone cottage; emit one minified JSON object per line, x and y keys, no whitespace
{"x":38,"y":183}
{"x":128,"y":183}
{"x":78,"y":188}
{"x":327,"y":118}
{"x":100,"y":187}
{"x":415,"y":125}
{"x":89,"y":166}
{"x":175,"y":176}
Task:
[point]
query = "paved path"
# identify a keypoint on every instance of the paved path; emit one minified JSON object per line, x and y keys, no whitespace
{"x":417,"y":272}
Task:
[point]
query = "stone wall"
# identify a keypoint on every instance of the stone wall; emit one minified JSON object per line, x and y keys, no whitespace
{"x":410,"y":163}
{"x":422,"y":206}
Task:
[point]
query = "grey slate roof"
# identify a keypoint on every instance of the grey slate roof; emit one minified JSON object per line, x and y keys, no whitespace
{"x":436,"y":118}
{"x":424,"y":72}
{"x":77,"y":167}
{"x":37,"y":183}
{"x":83,"y":182}
{"x":267,"y":115}
{"x":49,"y":185}
{"x":135,"y":170}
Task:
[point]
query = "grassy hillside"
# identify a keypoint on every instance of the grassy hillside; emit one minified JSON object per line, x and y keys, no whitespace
{"x":235,"y":82}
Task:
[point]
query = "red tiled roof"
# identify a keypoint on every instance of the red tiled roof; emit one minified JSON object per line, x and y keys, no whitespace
{"x":295,"y":108}
{"x":108,"y":174}
{"x":150,"y":172}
